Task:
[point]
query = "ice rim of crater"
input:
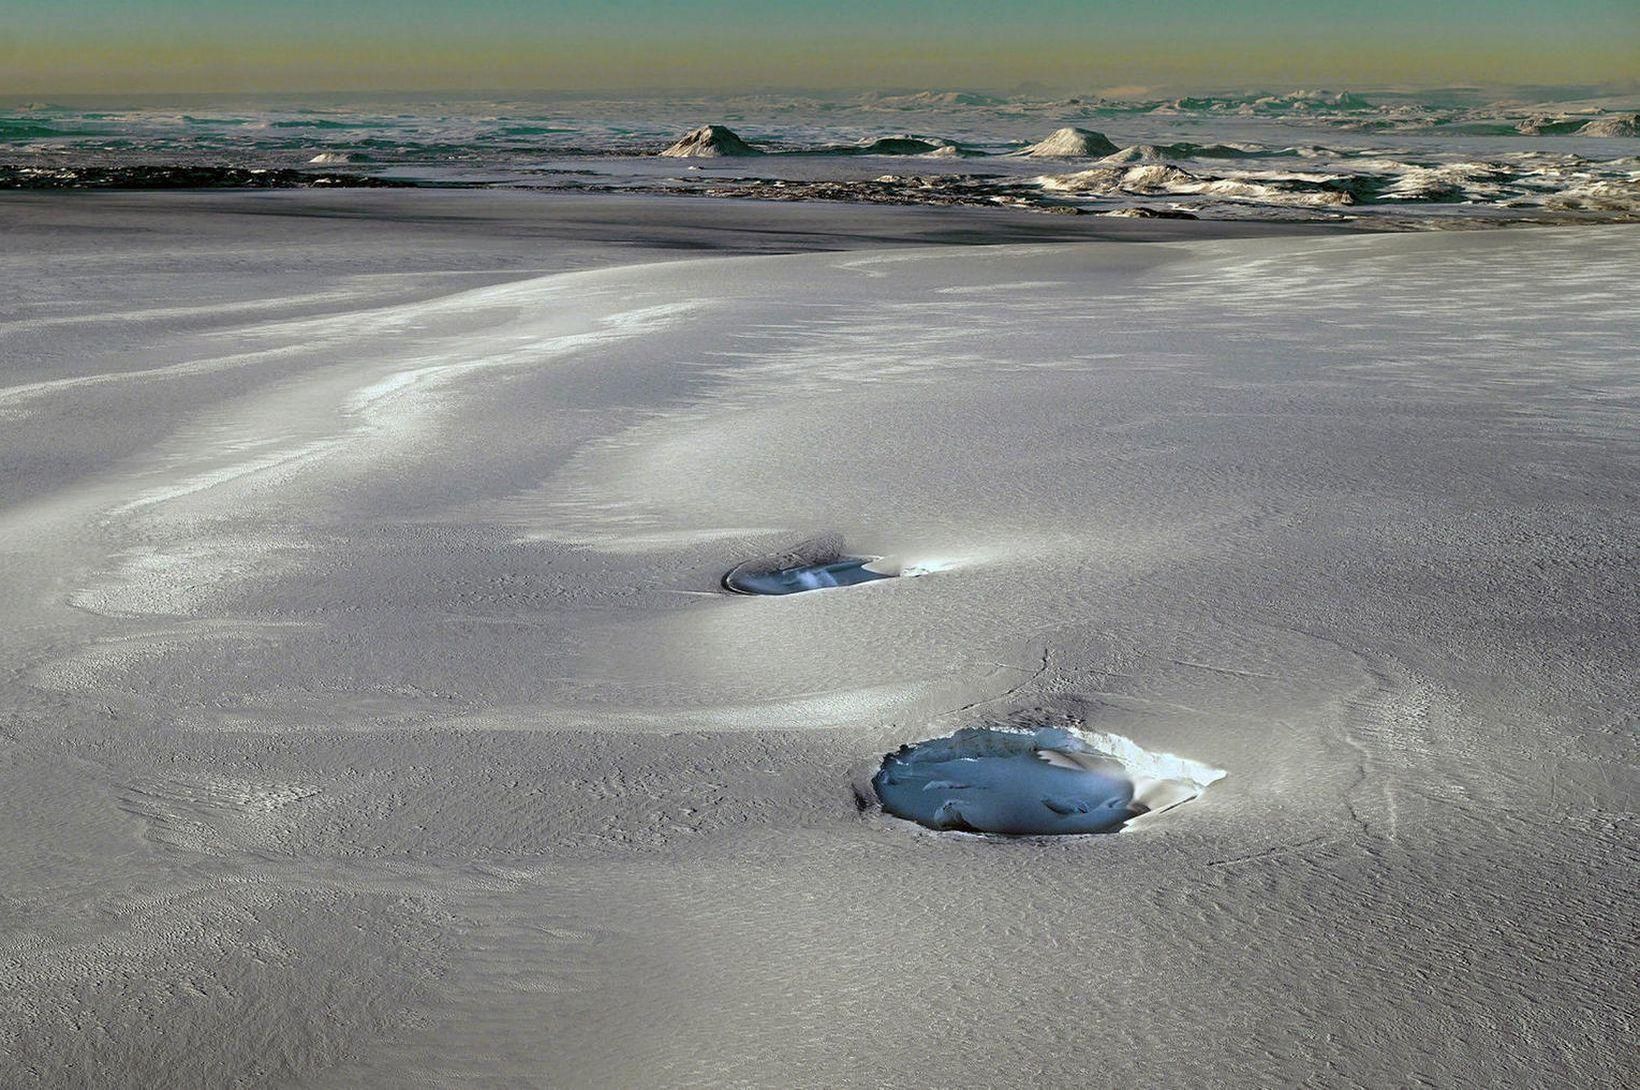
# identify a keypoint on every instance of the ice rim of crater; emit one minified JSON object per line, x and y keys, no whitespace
{"x":1160,"y":781}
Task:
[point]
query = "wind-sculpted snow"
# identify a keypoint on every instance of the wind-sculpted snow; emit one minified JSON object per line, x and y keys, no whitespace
{"x":970,"y":148}
{"x":1165,"y":180}
{"x":373,"y":715}
{"x":1537,"y":183}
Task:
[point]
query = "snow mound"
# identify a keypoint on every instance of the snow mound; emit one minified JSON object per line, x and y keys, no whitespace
{"x":898,"y":145}
{"x":1609,"y":196}
{"x":1550,"y":126}
{"x":1449,"y":183}
{"x":709,"y":142}
{"x":1615,"y":125}
{"x":1070,"y":143}
{"x":1138,"y":153}
{"x":1158,"y":153}
{"x":1338,"y":100}
{"x":1152,"y":178}
{"x":901,"y":144}
{"x":1034,"y":782}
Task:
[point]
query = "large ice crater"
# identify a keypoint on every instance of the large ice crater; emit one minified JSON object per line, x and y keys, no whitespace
{"x":1034,"y":781}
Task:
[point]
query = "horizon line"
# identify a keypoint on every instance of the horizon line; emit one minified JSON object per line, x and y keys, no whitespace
{"x":1019,"y":89}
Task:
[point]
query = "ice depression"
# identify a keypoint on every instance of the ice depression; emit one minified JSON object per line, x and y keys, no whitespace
{"x":1034,"y":781}
{"x":796,"y":578}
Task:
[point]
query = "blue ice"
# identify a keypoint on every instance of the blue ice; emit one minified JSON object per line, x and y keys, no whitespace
{"x":1018,"y":783}
{"x":794,"y":580}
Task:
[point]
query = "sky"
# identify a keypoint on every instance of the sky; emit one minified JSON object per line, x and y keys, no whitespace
{"x":115,"y":46}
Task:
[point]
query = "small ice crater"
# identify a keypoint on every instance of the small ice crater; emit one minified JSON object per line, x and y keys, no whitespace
{"x":843,"y":572}
{"x":1034,"y":781}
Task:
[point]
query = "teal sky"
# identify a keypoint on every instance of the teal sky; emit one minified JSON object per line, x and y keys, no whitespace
{"x":67,"y":46}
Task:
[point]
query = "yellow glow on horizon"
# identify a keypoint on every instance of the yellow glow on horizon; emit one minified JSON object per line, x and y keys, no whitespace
{"x":383,"y":62}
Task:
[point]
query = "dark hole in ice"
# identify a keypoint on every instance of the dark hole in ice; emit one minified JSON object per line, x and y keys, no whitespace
{"x":796,"y":578}
{"x":1034,"y":782}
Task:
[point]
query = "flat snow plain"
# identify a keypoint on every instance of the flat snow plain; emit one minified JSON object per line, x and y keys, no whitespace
{"x":372,"y":715}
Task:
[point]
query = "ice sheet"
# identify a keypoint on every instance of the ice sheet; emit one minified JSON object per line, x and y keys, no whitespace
{"x":373,"y":714}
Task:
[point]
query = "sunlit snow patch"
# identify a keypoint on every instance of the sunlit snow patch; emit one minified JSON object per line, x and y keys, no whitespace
{"x":842,"y":572}
{"x":1033,"y":782}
